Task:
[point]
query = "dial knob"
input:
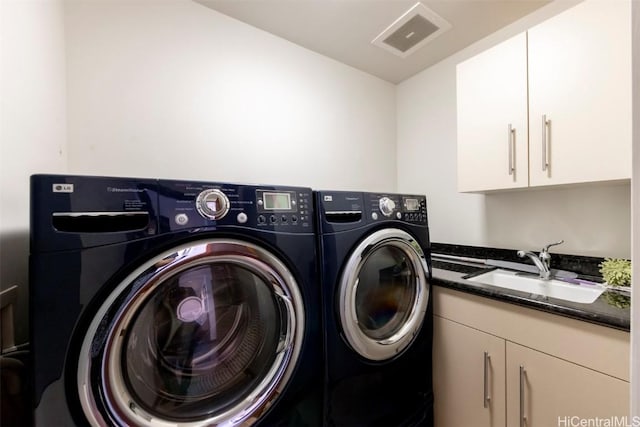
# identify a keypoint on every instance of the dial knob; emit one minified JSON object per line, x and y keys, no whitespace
{"x":387,"y":206}
{"x":212,"y":204}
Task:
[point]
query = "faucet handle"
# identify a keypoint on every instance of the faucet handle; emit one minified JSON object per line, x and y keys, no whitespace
{"x":545,"y":256}
{"x":546,"y":248}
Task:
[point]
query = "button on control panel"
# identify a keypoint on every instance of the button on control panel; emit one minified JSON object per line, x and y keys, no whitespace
{"x":181,"y":219}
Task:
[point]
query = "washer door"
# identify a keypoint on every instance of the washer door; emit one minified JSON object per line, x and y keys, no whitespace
{"x":205,"y":334}
{"x":383,"y":294}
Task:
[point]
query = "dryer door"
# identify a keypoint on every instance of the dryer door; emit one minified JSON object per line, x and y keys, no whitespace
{"x":207,"y":333}
{"x":383,"y":294}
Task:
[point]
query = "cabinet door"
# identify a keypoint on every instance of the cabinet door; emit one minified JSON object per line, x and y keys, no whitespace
{"x":460,"y":384}
{"x":580,"y":83}
{"x":492,"y":100}
{"x":557,"y":392}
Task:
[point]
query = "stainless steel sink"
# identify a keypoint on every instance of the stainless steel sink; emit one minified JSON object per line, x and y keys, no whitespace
{"x":585,"y":294}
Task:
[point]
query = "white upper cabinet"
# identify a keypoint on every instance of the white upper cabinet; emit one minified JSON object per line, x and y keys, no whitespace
{"x":580,"y":83}
{"x":564,"y":88}
{"x":492,"y":118}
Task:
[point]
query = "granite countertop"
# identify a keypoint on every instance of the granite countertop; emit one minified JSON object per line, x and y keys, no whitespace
{"x":611,"y":309}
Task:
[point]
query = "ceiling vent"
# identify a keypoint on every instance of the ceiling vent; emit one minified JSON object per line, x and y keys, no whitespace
{"x":417,"y":27}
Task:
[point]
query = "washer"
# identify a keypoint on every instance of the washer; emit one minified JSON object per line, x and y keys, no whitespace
{"x":376,"y":266}
{"x":173,"y":303}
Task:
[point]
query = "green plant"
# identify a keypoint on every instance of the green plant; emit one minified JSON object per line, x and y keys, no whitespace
{"x":617,"y":300}
{"x":616,"y":271}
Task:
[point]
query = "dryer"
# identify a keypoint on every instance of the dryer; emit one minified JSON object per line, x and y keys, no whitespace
{"x":158,"y":302}
{"x":375,"y":270}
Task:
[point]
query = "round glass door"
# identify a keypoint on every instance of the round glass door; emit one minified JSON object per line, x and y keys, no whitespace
{"x":383,"y":294}
{"x":204,"y":334}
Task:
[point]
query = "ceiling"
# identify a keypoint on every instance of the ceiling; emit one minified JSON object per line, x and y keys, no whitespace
{"x":343,"y":29}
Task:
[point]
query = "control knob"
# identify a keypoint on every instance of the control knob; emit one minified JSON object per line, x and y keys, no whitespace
{"x":212,"y":204}
{"x":387,"y":206}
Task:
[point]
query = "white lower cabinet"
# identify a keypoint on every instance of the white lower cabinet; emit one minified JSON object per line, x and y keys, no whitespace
{"x":545,"y":391}
{"x":495,"y":364}
{"x":468,"y":376}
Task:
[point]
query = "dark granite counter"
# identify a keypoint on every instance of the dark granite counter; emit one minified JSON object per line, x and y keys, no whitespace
{"x":611,"y":309}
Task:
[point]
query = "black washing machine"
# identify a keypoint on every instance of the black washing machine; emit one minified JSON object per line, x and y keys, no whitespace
{"x":376,"y":266}
{"x":157,"y":303}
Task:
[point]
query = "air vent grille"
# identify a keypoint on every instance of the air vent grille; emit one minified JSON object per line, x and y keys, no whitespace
{"x":415,"y":28}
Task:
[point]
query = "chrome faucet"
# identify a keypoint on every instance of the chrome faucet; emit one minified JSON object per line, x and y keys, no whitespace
{"x":542,"y":261}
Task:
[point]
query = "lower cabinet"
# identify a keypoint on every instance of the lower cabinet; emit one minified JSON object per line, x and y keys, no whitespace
{"x":468,"y":376}
{"x":543,"y":391}
{"x":484,"y":377}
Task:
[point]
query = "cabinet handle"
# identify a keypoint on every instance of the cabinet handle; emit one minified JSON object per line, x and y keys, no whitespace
{"x":486,"y":398}
{"x":523,"y":417}
{"x":545,"y":144}
{"x":512,"y":161}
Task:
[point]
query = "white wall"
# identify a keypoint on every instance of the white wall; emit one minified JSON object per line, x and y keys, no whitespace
{"x":177,"y":90}
{"x":635,"y":209}
{"x":32,"y":126}
{"x":593,"y":220}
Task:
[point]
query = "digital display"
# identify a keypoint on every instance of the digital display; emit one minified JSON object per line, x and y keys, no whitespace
{"x":279,"y":201}
{"x":412,"y":204}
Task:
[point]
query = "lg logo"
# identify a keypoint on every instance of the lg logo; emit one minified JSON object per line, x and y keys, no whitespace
{"x":63,"y":188}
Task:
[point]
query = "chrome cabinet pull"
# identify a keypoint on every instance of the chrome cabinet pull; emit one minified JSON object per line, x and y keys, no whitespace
{"x":486,"y":398}
{"x":545,"y":142}
{"x":512,"y":160}
{"x":523,"y":417}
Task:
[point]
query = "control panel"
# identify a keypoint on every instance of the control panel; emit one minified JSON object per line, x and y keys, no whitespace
{"x":283,"y":207}
{"x":342,"y":210}
{"x":414,"y":208}
{"x":409,"y":208}
{"x":198,"y":204}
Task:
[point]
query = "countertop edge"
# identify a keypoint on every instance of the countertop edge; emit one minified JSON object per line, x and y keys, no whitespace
{"x":454,"y":280}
